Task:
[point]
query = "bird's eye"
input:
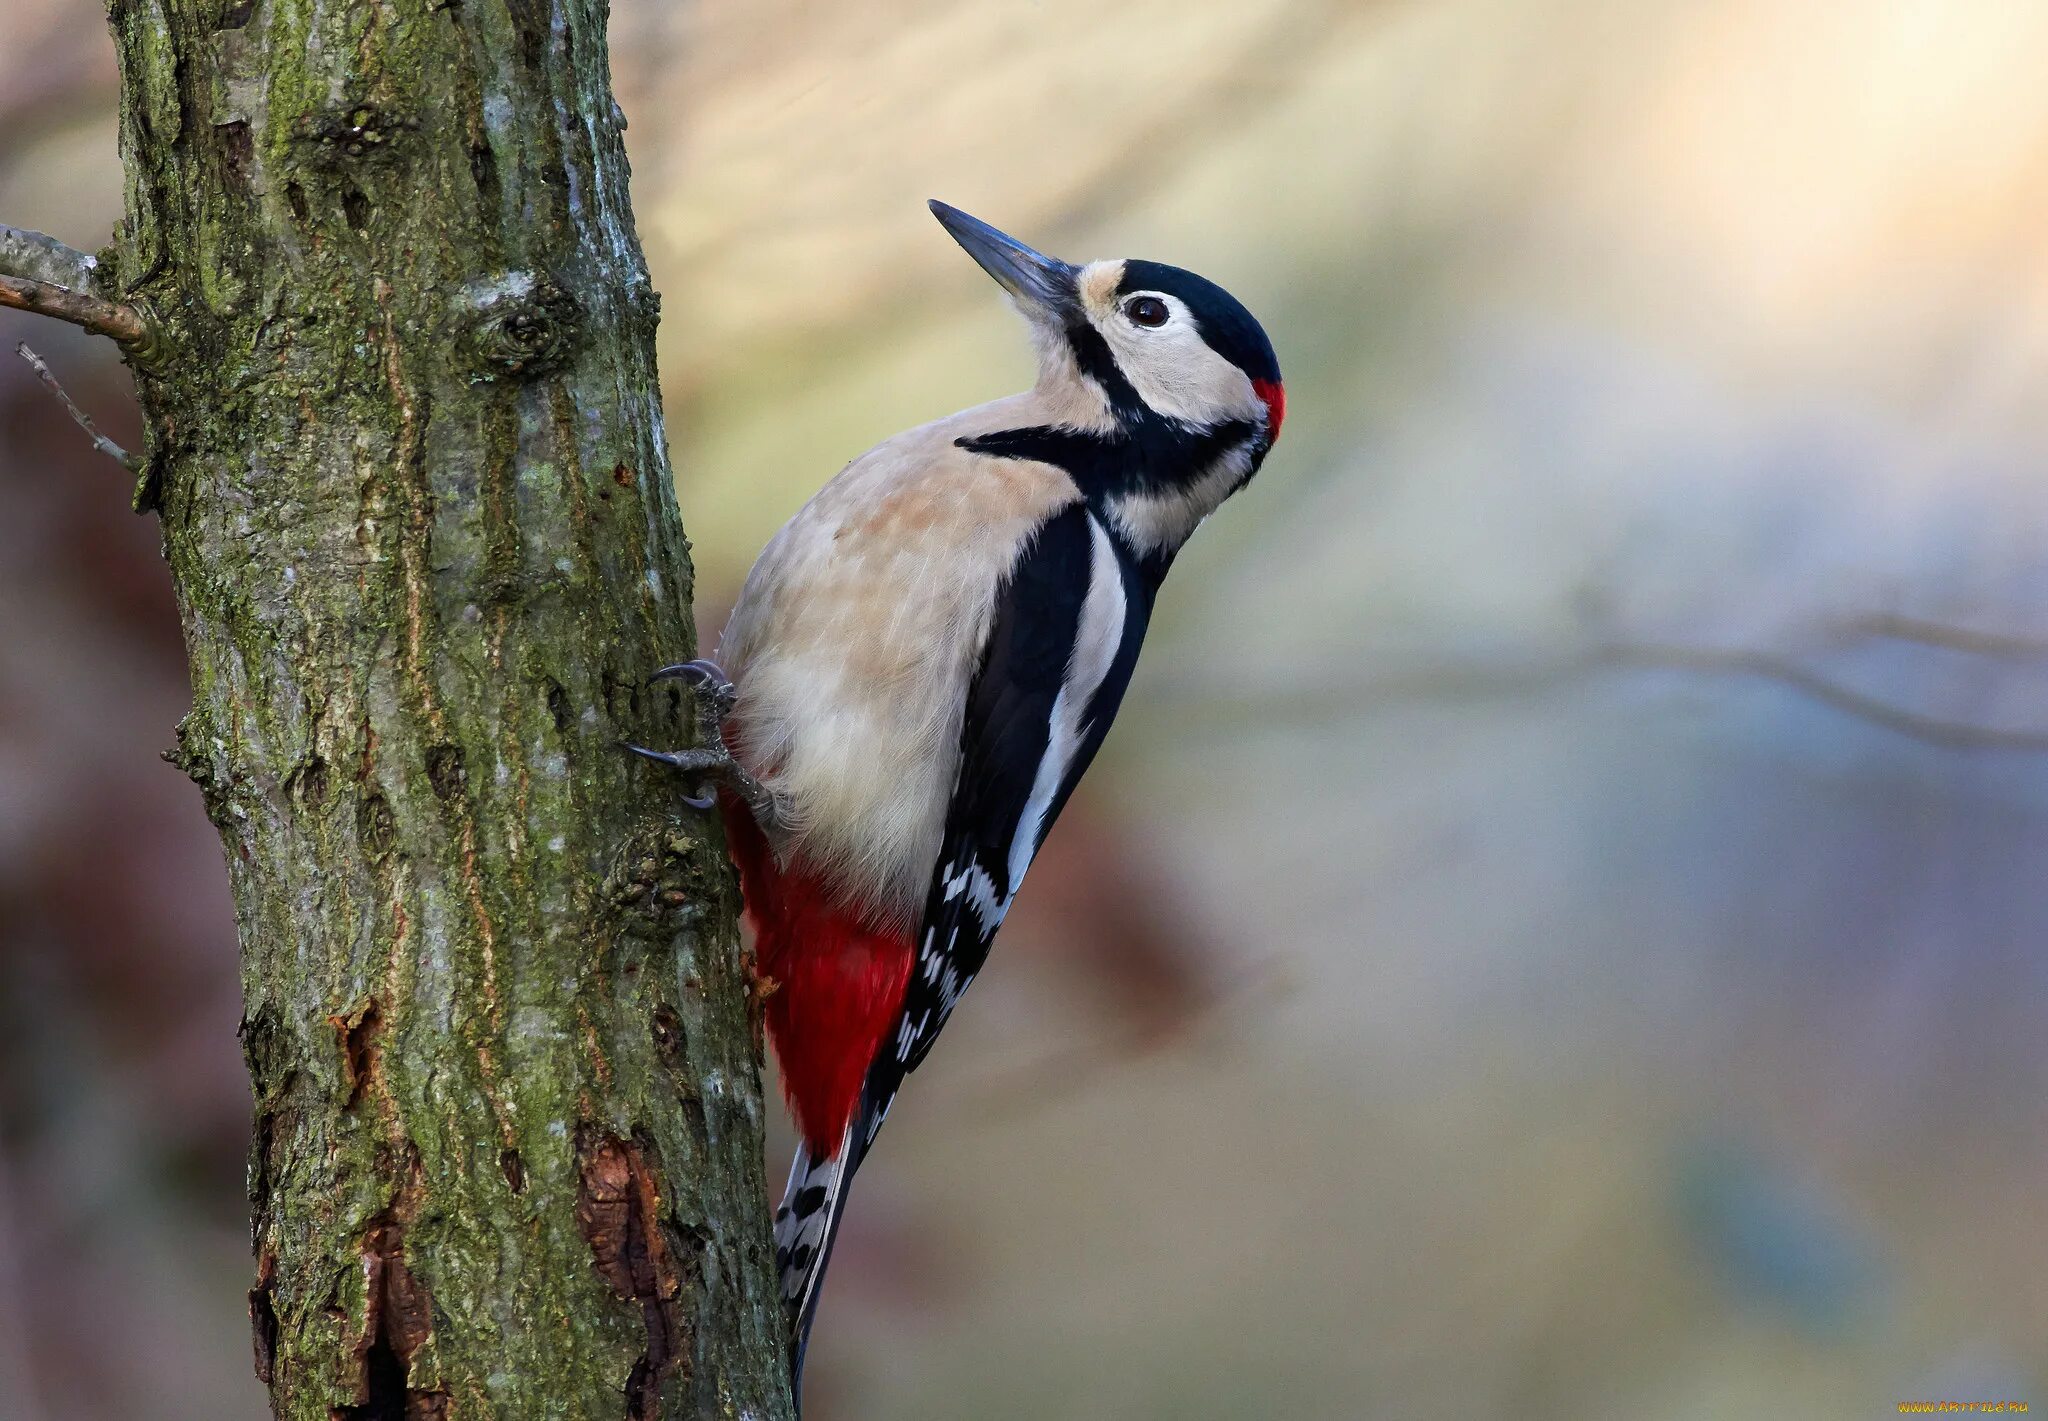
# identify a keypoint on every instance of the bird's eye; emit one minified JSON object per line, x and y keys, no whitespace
{"x":1147,"y":311}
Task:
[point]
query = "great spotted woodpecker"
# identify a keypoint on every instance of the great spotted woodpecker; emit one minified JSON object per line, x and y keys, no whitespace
{"x":926,"y":658}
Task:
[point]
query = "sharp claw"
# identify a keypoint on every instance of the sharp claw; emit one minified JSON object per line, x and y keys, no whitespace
{"x":708,"y":683}
{"x":682,"y":760}
{"x":664,"y":756}
{"x":712,"y":763}
{"x":698,"y":673}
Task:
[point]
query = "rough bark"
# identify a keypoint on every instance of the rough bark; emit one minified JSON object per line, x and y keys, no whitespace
{"x":405,"y":440}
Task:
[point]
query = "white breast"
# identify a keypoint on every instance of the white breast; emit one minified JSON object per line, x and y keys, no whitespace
{"x":856,"y":637}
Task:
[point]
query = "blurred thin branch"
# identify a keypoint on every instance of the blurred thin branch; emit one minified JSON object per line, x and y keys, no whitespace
{"x":1770,"y":666}
{"x":1479,"y":675}
{"x":1899,"y":627}
{"x":84,"y":421}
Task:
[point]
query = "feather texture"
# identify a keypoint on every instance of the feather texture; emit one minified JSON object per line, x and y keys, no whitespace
{"x":928,"y":657}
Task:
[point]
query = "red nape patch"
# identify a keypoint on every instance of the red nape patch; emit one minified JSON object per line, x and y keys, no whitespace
{"x":1275,"y":396}
{"x":838,"y":981}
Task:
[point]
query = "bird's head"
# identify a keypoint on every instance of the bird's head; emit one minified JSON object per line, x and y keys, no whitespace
{"x":1140,"y":343}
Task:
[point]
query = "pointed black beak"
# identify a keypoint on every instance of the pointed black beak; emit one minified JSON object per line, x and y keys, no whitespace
{"x":1043,"y":286}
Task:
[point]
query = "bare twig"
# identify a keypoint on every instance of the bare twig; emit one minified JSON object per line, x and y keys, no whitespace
{"x":1899,"y":627}
{"x":1953,"y":734}
{"x":1466,"y":678}
{"x":99,"y":441}
{"x":103,"y":318}
{"x":41,"y":274}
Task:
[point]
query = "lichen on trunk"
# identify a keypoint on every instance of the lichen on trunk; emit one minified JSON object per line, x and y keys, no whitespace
{"x":406,"y":443}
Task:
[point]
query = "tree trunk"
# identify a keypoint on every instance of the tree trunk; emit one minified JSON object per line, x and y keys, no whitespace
{"x":406,"y":443}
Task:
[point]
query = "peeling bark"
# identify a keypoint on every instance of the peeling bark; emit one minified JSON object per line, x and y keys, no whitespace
{"x":397,"y":1320}
{"x":619,"y":1209}
{"x":404,"y":436}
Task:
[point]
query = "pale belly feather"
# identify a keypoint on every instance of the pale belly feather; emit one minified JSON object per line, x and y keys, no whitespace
{"x":855,"y":640}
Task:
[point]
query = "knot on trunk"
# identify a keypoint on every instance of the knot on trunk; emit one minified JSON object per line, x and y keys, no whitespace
{"x":348,"y":132}
{"x":519,"y":323}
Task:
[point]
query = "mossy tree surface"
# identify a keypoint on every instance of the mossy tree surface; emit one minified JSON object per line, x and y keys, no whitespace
{"x":406,"y":444}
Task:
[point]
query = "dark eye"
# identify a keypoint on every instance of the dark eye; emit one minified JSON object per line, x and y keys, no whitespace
{"x":1147,"y":311}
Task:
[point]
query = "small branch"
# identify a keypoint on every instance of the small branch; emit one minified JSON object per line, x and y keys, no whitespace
{"x":41,"y":274}
{"x":1899,"y":627}
{"x":99,"y":441}
{"x":103,"y":318}
{"x":34,"y":256}
{"x":1951,"y":734}
{"x":1480,"y":677}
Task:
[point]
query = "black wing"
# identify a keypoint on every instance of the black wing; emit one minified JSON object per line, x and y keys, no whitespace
{"x":1066,"y":633}
{"x":1064,"y":638}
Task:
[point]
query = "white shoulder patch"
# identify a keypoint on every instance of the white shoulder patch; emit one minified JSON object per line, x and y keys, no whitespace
{"x":1104,"y":617}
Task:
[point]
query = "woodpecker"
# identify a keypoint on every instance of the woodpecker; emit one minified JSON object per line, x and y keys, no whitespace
{"x":926,"y":658}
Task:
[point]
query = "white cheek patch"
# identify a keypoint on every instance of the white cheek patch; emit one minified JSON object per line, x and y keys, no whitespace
{"x":1172,"y":369}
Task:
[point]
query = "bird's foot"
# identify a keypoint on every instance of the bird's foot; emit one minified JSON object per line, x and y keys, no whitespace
{"x":712,"y":767}
{"x":711,"y":764}
{"x":714,"y":690}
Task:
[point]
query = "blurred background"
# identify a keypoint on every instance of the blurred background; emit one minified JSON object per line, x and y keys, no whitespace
{"x":1558,"y":930}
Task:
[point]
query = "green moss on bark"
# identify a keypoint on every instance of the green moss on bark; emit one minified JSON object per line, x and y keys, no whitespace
{"x":406,"y":443}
